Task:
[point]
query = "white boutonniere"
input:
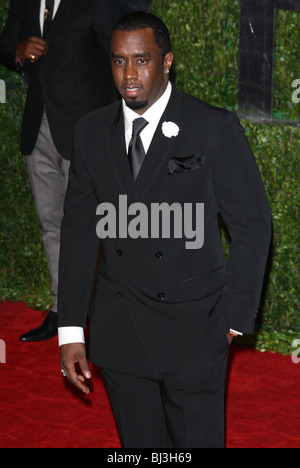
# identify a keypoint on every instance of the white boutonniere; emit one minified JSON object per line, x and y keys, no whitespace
{"x":170,"y":129}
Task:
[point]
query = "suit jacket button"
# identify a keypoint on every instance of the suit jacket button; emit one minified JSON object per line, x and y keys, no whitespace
{"x":158,"y":254}
{"x":120,"y":294}
{"x":161,"y":296}
{"x":119,"y":253}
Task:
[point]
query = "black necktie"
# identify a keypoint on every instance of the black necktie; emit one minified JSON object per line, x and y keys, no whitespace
{"x":136,"y":152}
{"x":48,"y":16}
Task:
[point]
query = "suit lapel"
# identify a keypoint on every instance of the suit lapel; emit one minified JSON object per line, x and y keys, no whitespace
{"x":159,"y":151}
{"x":36,"y":8}
{"x":64,"y":9}
{"x":118,"y":154}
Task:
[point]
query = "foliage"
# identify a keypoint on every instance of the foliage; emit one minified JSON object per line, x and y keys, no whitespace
{"x":205,"y":37}
{"x":286,"y":64}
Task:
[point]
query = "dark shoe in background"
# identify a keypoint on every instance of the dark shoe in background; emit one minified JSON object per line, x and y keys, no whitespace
{"x":46,"y":331}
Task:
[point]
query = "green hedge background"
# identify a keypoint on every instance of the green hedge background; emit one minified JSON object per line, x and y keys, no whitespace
{"x":205,"y":39}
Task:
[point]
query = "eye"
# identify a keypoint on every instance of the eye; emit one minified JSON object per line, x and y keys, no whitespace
{"x":118,"y":62}
{"x":142,"y":61}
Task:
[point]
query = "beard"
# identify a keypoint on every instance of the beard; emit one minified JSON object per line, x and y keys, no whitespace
{"x":137,"y":105}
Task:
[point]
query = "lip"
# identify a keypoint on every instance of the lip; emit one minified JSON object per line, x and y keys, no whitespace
{"x":131,"y":90}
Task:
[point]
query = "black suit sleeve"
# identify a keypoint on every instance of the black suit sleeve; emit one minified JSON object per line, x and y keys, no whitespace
{"x":107,"y":14}
{"x":10,"y":37}
{"x":245,"y":209}
{"x":79,"y":244}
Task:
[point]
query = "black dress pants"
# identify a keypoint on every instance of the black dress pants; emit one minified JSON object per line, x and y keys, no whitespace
{"x":182,"y":408}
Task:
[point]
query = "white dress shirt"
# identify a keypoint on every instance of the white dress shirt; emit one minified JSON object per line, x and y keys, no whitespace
{"x":42,"y":12}
{"x":152,"y":115}
{"x":67,"y":335}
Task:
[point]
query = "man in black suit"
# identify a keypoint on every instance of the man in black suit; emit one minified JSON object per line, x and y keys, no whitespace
{"x":166,"y":304}
{"x":63,"y":45}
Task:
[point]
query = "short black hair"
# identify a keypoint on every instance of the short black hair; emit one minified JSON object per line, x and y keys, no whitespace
{"x":142,"y":20}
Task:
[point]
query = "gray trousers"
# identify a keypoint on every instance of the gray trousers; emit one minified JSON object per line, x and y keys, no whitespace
{"x":48,"y":175}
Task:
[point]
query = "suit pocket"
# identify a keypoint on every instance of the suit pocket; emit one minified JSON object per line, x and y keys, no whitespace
{"x":204,"y":284}
{"x":180,"y":165}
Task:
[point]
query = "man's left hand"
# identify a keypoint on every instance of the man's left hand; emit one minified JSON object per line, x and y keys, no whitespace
{"x":230,"y":338}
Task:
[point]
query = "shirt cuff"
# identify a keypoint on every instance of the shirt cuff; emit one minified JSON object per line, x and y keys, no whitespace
{"x":234,"y":331}
{"x":68,"y":335}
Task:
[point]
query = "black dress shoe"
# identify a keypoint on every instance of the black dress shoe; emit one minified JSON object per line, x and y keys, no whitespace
{"x":46,"y":331}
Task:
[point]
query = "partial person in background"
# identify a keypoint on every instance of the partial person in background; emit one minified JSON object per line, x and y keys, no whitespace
{"x":63,"y":46}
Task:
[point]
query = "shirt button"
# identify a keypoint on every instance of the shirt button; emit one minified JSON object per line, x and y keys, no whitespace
{"x":161,"y":296}
{"x":158,"y":254}
{"x":119,"y":253}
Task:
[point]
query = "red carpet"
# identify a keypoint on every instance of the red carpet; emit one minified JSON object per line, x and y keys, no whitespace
{"x":40,"y":410}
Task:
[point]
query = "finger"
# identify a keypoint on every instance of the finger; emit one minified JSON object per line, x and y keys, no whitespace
{"x":38,"y":41}
{"x":42,"y":48}
{"x":85,"y":368}
{"x":38,"y":53}
{"x":76,"y":379}
{"x":37,"y":48}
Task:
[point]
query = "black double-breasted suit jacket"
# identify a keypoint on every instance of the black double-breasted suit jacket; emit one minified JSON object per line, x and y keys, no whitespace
{"x":155,"y":301}
{"x":74,"y":77}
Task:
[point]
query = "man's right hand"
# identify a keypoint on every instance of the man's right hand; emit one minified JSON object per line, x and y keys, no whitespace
{"x":32,"y":47}
{"x":71,"y":354}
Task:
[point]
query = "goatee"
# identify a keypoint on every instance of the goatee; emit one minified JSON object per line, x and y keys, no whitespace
{"x":137,"y":105}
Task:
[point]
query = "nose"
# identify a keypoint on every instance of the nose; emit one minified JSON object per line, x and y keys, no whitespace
{"x":130,"y":72}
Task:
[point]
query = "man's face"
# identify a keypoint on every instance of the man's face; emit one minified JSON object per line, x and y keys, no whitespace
{"x":139,"y":71}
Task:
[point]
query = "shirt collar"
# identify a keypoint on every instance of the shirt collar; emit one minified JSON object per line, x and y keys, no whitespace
{"x":152,"y":115}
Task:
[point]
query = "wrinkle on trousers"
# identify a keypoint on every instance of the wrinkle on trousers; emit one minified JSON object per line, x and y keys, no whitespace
{"x":48,"y":175}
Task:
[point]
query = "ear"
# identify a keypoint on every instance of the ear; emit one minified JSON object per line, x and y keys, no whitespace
{"x":168,"y":61}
